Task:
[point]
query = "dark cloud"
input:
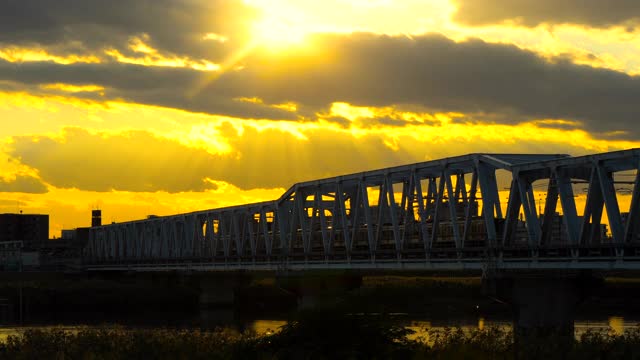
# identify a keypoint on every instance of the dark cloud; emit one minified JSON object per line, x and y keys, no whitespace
{"x":374,"y":122}
{"x":556,"y":125}
{"x":80,"y":26}
{"x":169,"y":87}
{"x":23,"y":184}
{"x":508,"y":84}
{"x":593,"y":13}
{"x":338,"y":120}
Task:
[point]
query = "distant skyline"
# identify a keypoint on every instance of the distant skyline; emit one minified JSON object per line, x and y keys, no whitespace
{"x":143,"y":107}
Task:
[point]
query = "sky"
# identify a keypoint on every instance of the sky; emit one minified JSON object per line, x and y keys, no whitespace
{"x":141,"y":107}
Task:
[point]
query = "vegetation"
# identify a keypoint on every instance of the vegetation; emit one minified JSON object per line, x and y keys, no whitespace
{"x":314,"y":335}
{"x":120,"y":343}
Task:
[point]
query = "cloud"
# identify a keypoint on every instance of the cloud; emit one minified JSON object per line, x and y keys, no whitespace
{"x":140,"y":162}
{"x":23,"y":184}
{"x":137,"y":161}
{"x":134,"y":161}
{"x":168,"y":87}
{"x":501,"y":83}
{"x":592,"y":13}
{"x":6,"y":204}
{"x":81,"y":26}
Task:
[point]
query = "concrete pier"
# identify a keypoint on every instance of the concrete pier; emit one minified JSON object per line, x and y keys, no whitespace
{"x":217,"y":293}
{"x":543,"y":305}
{"x":313,"y":290}
{"x":220,"y":290}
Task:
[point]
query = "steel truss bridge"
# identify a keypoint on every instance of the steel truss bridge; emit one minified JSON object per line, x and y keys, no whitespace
{"x":444,"y":215}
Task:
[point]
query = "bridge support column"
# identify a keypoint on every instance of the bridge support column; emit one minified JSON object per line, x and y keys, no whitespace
{"x":217,"y":299}
{"x":544,"y":307}
{"x":219,"y":293}
{"x":313,"y":290}
{"x":219,"y":290}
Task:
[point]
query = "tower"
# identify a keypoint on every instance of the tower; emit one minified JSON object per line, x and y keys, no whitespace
{"x":96,"y":218}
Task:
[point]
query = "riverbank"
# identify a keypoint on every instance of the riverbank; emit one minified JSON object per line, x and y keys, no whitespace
{"x":311,"y":335}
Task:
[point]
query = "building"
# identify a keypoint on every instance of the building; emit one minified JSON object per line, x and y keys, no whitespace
{"x":76,"y":238}
{"x":96,"y":218}
{"x":31,"y":229}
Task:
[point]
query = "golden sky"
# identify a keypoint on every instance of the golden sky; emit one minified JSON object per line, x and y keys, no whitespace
{"x":158,"y":107}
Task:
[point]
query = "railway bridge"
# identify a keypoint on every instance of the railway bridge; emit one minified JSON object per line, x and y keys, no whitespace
{"x":477,"y":211}
{"x":532,"y":224}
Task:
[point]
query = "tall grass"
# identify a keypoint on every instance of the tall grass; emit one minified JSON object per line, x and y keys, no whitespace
{"x":315,"y":335}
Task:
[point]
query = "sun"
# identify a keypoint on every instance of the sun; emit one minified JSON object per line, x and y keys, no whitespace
{"x":279,"y":27}
{"x":278,"y":34}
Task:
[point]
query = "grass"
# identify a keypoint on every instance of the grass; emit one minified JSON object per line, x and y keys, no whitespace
{"x":120,"y":343}
{"x":313,"y":335}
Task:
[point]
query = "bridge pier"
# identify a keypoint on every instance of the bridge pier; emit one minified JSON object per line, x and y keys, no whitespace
{"x":218,"y":296}
{"x":543,"y":306}
{"x":219,"y":290}
{"x":217,"y":293}
{"x":313,"y":290}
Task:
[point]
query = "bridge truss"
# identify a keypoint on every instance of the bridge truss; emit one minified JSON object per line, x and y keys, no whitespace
{"x":441,"y":214}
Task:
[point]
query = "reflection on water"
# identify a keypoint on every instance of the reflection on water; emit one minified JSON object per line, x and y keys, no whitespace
{"x":267,"y":327}
{"x":616,"y":323}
